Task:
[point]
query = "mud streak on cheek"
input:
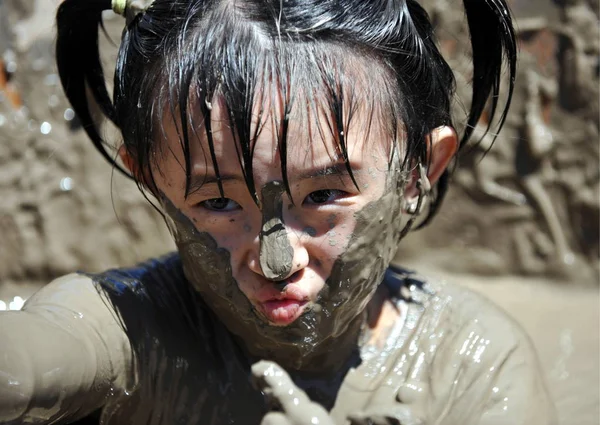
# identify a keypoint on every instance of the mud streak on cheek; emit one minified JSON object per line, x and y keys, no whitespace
{"x":355,"y":275}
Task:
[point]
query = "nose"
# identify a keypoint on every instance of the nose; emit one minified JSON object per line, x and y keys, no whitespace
{"x":278,"y":258}
{"x":300,"y":259}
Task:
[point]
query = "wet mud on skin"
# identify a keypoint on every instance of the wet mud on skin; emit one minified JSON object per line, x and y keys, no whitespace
{"x":576,"y":395}
{"x":451,"y":358}
{"x":276,"y":254}
{"x":438,"y":365}
{"x":334,"y":320}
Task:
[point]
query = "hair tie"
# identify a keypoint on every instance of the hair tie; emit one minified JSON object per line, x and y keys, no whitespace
{"x":130,"y":8}
{"x":119,"y":6}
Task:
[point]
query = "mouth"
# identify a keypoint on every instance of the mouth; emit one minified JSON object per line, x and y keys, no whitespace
{"x":283,"y":308}
{"x":282,"y":312}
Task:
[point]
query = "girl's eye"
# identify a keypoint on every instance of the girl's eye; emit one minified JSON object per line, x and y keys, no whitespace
{"x":323,"y":196}
{"x":220,"y":204}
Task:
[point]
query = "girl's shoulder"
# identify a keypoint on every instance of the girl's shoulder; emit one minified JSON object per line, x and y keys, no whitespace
{"x":474,"y":355}
{"x":154,"y":300}
{"x":456,"y":304}
{"x":161,"y":272}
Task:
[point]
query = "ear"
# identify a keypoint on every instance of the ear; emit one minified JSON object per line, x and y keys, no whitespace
{"x":127,"y":160}
{"x":131,"y":164}
{"x":441,"y":148}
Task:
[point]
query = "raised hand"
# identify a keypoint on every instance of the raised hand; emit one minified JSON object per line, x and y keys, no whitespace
{"x":292,"y":404}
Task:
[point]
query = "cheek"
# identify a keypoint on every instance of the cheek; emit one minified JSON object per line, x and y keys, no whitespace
{"x":328,"y":239}
{"x":233,"y":234}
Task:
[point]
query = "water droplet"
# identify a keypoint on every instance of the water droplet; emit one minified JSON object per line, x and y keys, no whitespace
{"x":31,"y":125}
{"x":69,"y":114}
{"x":16,"y":303}
{"x":46,"y":127}
{"x":569,"y":259}
{"x":11,"y":67}
{"x":66,"y":184}
{"x":2,"y":305}
{"x":2,"y":120}
{"x":21,"y":114}
{"x":10,"y":60}
{"x":53,"y":101}
{"x":51,"y":80}
{"x":38,"y":64}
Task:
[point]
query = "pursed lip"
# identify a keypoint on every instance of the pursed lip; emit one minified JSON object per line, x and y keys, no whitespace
{"x":290,"y":292}
{"x":282,"y":307}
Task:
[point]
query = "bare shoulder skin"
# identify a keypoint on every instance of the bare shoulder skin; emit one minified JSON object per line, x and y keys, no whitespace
{"x":64,"y":343}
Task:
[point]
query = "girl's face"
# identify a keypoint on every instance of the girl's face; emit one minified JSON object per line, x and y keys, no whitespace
{"x":293,"y":270}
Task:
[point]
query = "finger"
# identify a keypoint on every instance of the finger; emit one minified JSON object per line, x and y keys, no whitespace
{"x":391,"y":414}
{"x":374,"y":419}
{"x":277,"y":386}
{"x":359,"y":419}
{"x":275,"y":418}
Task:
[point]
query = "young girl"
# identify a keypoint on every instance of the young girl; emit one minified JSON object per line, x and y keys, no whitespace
{"x":290,"y":146}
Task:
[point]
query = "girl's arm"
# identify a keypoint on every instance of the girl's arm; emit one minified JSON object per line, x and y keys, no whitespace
{"x":61,"y":355}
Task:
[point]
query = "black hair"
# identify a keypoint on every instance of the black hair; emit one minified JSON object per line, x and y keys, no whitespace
{"x":179,"y":53}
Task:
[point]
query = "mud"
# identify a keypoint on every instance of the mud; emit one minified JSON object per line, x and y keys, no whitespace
{"x":564,"y":325}
{"x":52,"y":181}
{"x":436,"y":366}
{"x":447,"y":356}
{"x":68,"y":343}
{"x":531,"y":207}
{"x":276,"y":253}
{"x":54,"y":192}
{"x":334,"y":320}
{"x":53,"y":186}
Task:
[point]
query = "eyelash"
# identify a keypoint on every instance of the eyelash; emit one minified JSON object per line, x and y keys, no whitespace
{"x":205,"y":205}
{"x":330,"y":192}
{"x":231,"y":205}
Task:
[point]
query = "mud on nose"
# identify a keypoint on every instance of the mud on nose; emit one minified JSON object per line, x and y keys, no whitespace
{"x":276,"y":253}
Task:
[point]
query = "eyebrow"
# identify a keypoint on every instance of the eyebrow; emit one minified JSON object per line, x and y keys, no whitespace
{"x":338,"y":169}
{"x":197,"y":181}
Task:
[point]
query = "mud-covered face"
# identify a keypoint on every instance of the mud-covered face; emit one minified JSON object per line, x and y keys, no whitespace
{"x":291,"y":271}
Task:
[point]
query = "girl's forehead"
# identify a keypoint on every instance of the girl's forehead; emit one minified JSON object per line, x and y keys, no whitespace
{"x":306,"y":136}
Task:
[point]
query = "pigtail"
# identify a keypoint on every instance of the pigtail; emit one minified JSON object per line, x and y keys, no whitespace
{"x":493,"y":41}
{"x":79,"y":64}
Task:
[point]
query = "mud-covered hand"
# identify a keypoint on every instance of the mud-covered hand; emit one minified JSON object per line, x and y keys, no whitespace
{"x":292,"y":404}
{"x":385,"y":415}
{"x":386,"y":408}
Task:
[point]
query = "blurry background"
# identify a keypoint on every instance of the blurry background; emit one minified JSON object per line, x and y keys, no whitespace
{"x":521,"y":226}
